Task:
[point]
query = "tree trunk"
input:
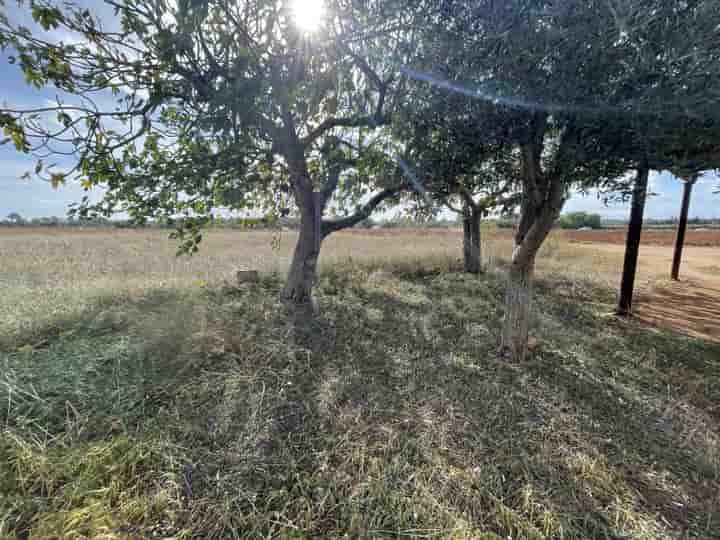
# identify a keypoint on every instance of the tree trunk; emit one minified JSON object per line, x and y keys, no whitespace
{"x":476,"y":246}
{"x":682,"y":227}
{"x":536,"y":222}
{"x":632,"y":248}
{"x":471,"y":241}
{"x":303,"y":270}
{"x":518,"y":302}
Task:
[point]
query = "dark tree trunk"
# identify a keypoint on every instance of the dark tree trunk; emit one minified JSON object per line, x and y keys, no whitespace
{"x":518,"y":302}
{"x":303,"y":270}
{"x":632,"y":248}
{"x":471,"y":240}
{"x":682,"y":227}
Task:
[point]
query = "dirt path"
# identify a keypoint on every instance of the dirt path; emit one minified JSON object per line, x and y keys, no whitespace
{"x":690,"y":306}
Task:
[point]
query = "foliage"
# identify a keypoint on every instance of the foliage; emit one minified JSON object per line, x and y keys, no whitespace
{"x":579,"y":220}
{"x":218,"y":104}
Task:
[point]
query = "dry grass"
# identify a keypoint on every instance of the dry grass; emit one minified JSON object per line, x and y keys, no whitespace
{"x":50,"y":276}
{"x":159,"y":403}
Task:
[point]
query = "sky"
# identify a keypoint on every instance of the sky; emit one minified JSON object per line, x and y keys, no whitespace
{"x":35,"y":198}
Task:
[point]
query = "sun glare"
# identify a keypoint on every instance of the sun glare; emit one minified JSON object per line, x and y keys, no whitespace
{"x":308,"y":14}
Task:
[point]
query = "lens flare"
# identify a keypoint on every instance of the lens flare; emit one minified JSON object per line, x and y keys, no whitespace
{"x":308,"y":14}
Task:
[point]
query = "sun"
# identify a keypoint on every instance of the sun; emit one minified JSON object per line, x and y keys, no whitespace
{"x":308,"y":14}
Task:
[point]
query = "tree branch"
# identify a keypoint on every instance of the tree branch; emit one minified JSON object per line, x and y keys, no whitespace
{"x":541,"y":224}
{"x":453,"y":208}
{"x":376,"y":120}
{"x":331,"y":226}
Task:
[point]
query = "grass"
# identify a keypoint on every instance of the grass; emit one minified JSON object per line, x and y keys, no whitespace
{"x":144,"y":398}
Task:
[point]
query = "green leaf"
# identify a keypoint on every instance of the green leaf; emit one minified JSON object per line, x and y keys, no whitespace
{"x":47,"y":17}
{"x":64,"y":119}
{"x":17,"y":136}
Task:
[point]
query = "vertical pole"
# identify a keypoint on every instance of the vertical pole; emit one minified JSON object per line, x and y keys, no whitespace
{"x":682,"y":227}
{"x":632,"y":247}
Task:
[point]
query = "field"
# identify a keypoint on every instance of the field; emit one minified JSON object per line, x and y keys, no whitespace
{"x":146,"y":396}
{"x":651,"y":237}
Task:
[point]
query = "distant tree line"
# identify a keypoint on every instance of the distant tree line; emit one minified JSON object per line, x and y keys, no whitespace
{"x":237,"y":223}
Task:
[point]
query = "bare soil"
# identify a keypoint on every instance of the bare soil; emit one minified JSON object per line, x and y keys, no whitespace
{"x":706,"y":238}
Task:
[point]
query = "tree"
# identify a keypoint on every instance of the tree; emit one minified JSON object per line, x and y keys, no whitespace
{"x":632,"y":243}
{"x":578,"y":220}
{"x":460,"y":170}
{"x":15,"y":218}
{"x":586,"y":90}
{"x":217,"y":103}
{"x":520,"y":53}
{"x":461,"y":160}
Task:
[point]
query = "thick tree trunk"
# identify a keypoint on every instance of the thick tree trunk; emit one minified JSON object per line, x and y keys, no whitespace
{"x":536,"y":222}
{"x":303,"y":270}
{"x":518,"y":302}
{"x":471,"y":241}
{"x":476,"y":245}
{"x":632,"y":247}
{"x":682,"y":227}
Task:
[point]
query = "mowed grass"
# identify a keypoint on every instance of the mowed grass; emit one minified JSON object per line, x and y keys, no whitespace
{"x":145,"y":396}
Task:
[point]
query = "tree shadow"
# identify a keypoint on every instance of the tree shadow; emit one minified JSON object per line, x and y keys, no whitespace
{"x":685,"y":308}
{"x":109,"y":367}
{"x":403,"y":371}
{"x":390,"y":410}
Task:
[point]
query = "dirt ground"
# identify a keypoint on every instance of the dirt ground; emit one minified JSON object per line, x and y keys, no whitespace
{"x":656,"y":237}
{"x":690,"y":306}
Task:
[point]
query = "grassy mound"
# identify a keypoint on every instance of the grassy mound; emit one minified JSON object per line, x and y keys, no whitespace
{"x":214,"y":413}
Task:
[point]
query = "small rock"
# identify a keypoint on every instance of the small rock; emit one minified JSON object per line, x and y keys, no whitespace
{"x":247,"y":276}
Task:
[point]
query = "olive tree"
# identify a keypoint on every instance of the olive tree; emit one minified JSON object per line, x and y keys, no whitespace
{"x":574,"y":84}
{"x":458,"y":166}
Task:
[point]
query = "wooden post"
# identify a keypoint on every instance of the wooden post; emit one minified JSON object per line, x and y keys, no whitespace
{"x":682,"y":227}
{"x":632,"y":247}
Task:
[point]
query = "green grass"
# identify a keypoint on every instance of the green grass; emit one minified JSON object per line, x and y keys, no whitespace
{"x":203,"y":411}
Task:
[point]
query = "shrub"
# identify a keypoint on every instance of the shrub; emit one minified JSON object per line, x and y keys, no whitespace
{"x":578,"y":220}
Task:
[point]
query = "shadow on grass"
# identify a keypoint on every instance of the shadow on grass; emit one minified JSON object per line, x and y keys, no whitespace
{"x":682,"y":307}
{"x":394,"y":405}
{"x":389,"y":415}
{"x":103,"y":369}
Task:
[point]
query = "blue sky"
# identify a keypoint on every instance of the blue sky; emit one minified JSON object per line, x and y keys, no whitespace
{"x":35,"y":198}
{"x":664,"y":202}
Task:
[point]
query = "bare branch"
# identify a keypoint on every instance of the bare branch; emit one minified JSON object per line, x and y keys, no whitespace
{"x":376,"y":120}
{"x":331,"y":226}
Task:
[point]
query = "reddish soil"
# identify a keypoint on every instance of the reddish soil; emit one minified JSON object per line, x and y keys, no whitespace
{"x":708,"y":238}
